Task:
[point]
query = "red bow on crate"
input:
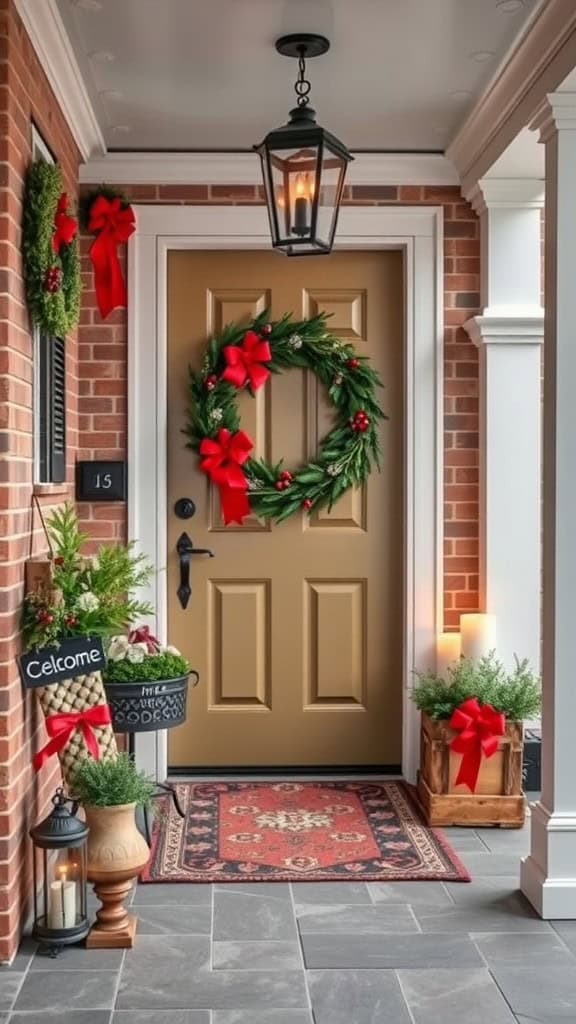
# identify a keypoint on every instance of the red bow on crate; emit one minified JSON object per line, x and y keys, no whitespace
{"x":245,"y":361}
{"x":61,"y":726}
{"x":223,"y":459}
{"x":479,"y":728}
{"x":114,"y":223}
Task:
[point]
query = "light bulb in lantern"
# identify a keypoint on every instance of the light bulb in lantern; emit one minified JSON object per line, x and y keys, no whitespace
{"x":301,"y":225}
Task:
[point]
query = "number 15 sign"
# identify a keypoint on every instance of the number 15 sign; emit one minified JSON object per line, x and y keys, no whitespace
{"x":101,"y":481}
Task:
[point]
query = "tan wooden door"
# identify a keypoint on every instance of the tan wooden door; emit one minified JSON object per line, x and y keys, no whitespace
{"x":296,"y":630}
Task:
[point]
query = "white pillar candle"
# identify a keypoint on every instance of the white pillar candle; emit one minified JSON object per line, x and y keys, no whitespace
{"x":478,"y":632}
{"x":62,"y":903}
{"x":447,"y":651}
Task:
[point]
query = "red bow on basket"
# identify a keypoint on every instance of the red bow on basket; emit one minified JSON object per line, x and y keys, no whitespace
{"x":61,"y":726}
{"x":224,"y":457}
{"x":142,"y":635}
{"x":114,"y":224}
{"x":480,"y":726}
{"x":65,"y":226}
{"x":244,"y":361}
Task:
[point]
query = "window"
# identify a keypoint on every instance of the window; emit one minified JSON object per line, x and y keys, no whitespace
{"x":50,"y":409}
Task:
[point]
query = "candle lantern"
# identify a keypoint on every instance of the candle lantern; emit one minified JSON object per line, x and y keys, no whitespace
{"x":60,"y":876}
{"x":303,"y":166}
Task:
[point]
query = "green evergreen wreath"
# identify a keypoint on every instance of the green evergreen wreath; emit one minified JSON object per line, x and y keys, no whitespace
{"x":346,"y":455}
{"x":52,"y":279}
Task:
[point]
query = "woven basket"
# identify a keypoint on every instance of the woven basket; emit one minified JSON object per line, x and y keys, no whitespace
{"x":78,"y":694}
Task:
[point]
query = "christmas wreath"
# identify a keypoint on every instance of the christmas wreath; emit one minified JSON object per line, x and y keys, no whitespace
{"x":243,"y":357}
{"x":50,"y":252}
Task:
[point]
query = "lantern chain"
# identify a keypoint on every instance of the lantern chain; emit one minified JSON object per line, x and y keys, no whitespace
{"x":302,"y":86}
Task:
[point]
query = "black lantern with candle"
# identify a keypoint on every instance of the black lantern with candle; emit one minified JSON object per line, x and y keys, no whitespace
{"x":303,"y":166}
{"x":60,"y":870}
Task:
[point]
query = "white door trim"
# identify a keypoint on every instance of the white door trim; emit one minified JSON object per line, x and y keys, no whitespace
{"x":418,"y":232}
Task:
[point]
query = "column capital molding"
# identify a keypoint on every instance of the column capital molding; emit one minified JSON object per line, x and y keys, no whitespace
{"x":506,"y":193}
{"x":499,"y":327}
{"x":557,"y":113}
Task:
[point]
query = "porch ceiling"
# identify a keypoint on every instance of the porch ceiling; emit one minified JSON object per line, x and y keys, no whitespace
{"x":191,"y":74}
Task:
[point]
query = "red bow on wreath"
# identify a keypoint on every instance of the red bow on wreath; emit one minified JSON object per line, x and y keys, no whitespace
{"x":244,"y":361}
{"x":480,"y":726}
{"x":142,"y":635}
{"x":65,"y":226}
{"x":114,"y":224}
{"x":61,"y":726}
{"x":224,"y":457}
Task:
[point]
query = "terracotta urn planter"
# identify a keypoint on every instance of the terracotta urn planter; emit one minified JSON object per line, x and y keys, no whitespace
{"x":117,"y":853}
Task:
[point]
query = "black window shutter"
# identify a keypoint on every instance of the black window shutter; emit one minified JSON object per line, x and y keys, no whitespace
{"x":52,"y":409}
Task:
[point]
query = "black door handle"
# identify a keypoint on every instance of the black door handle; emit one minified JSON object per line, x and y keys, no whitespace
{"x":186,"y":549}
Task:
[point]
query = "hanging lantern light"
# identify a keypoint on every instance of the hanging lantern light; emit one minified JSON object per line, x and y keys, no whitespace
{"x":303,"y":166}
{"x":60,"y":882}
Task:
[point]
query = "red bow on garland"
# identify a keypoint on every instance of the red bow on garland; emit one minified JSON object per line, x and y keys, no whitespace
{"x":142,"y":635}
{"x":244,"y":361}
{"x":114,"y":224}
{"x":480,"y":726}
{"x":65,"y":226}
{"x":61,"y":726}
{"x":223,"y":459}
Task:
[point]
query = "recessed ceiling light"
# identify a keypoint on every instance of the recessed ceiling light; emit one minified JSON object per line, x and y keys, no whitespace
{"x":482,"y":56}
{"x":509,"y":6}
{"x":121,"y":129}
{"x":102,"y":56}
{"x":460,"y":95}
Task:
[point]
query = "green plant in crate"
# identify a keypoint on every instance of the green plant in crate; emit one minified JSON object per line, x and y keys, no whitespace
{"x":516,"y":694}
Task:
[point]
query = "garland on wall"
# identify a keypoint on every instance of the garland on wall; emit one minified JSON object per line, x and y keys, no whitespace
{"x":50,"y":252}
{"x":243,"y":357}
{"x":108,"y":215}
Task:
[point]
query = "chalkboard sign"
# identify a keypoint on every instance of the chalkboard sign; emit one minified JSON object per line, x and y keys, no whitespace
{"x":46,"y":665}
{"x":101,"y":481}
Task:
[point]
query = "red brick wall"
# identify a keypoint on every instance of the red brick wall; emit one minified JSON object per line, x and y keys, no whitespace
{"x":102,"y":369}
{"x":25,"y":96}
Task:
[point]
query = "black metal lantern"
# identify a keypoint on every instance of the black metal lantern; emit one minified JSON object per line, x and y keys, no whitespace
{"x":303,"y":166}
{"x":60,"y":883}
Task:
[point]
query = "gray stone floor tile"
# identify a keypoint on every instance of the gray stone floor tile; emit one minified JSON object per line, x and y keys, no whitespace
{"x":253,"y":956}
{"x":261,"y":1017}
{"x":357,"y":997}
{"x":509,"y":912}
{"x":21,"y":961}
{"x":549,"y":993}
{"x":507,"y":840}
{"x":244,"y":916}
{"x":344,"y":893}
{"x":67,"y":990}
{"x":10,"y":982}
{"x":491,"y":886}
{"x":480,"y":864}
{"x":467,"y":842}
{"x":415,"y":893}
{"x":164,"y":894}
{"x":159,"y":1017}
{"x":59,"y":1017}
{"x":567,"y":932}
{"x":276,"y":890}
{"x":76,"y":958}
{"x":539,"y":950}
{"x":191,"y":920}
{"x":337,"y":920}
{"x":389,"y":952}
{"x":450,"y":997}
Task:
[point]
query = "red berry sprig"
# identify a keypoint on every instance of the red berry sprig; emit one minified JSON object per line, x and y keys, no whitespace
{"x":307,"y":503}
{"x":44,"y":616}
{"x":70,"y":620}
{"x":353,"y":363}
{"x":284,"y":480}
{"x":211,"y":382}
{"x":266,"y":329}
{"x":53,"y":280}
{"x":359,"y":422}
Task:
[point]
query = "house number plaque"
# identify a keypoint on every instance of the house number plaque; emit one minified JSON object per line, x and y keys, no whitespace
{"x":101,"y":481}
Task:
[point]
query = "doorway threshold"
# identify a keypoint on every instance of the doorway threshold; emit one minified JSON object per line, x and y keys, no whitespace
{"x":291,"y":772}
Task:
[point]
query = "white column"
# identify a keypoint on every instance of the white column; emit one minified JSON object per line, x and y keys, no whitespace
{"x":548,"y":875}
{"x":509,"y":336}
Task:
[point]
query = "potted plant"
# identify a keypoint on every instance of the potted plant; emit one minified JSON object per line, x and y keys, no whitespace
{"x":146,"y":683}
{"x":472,"y":739}
{"x":110,"y":790}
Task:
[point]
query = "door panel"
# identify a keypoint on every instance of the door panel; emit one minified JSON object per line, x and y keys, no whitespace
{"x":296,"y":629}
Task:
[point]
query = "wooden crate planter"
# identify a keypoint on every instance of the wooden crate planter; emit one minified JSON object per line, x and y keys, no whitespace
{"x":498,"y":799}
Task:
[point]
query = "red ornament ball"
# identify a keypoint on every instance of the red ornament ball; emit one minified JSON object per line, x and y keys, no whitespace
{"x":307,"y":503}
{"x":211,"y":382}
{"x":359,"y":422}
{"x":353,"y":363}
{"x":53,"y":280}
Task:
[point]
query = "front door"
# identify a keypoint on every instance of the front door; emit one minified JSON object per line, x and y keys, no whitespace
{"x":296,"y":629}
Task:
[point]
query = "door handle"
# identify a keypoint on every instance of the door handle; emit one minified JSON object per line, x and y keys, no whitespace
{"x":186,"y":549}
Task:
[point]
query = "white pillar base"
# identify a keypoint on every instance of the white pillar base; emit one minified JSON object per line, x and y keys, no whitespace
{"x":548,"y":874}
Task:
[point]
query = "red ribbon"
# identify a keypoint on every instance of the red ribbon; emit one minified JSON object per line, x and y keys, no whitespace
{"x":224,"y":457}
{"x":114,"y":224}
{"x":61,"y":726}
{"x":480,"y":726}
{"x":244,"y":361}
{"x":65,"y":226}
{"x":142,"y":635}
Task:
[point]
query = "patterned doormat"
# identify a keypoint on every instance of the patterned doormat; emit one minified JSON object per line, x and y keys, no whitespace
{"x":298,"y":831}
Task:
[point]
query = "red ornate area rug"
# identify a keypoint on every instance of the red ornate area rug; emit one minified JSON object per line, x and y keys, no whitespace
{"x":298,"y":831}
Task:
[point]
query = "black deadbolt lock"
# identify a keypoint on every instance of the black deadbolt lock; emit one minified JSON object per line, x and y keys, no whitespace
{"x":184,"y":508}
